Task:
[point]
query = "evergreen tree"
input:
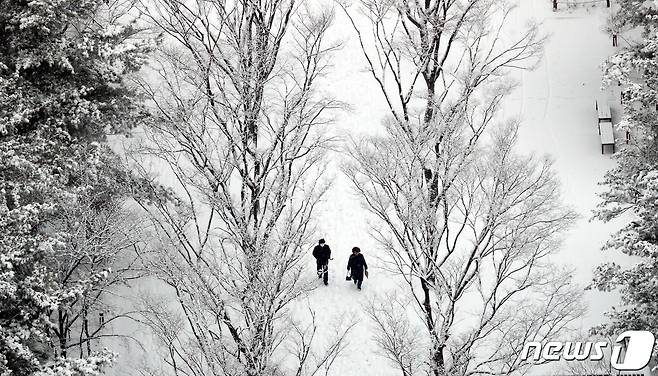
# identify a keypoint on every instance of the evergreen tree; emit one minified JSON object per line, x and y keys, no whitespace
{"x":62,"y":70}
{"x":632,"y":186}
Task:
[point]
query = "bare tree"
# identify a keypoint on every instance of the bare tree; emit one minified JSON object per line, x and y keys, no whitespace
{"x":425,"y":54}
{"x":399,"y":338}
{"x":469,"y":225}
{"x":99,"y":252}
{"x":311,"y":360}
{"x":477,"y":266}
{"x":240,"y":129}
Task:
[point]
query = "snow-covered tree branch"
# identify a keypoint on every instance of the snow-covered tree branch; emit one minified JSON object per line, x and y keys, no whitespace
{"x":63,"y":66}
{"x":240,"y":125}
{"x":485,"y":249}
{"x":469,"y":225}
{"x":632,"y":185}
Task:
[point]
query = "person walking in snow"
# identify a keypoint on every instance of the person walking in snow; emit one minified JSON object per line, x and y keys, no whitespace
{"x":357,"y":267}
{"x":322,"y":254}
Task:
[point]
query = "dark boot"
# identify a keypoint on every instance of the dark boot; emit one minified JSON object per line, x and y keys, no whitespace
{"x":358,"y":284}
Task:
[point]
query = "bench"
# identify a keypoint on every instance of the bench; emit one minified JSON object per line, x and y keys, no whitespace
{"x":607,"y":136}
{"x":603,"y":109}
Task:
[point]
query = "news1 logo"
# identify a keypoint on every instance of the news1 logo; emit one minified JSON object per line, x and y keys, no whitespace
{"x":631,"y":352}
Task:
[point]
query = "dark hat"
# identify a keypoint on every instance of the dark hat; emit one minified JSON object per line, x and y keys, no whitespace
{"x":321,"y":241}
{"x":356,"y":249}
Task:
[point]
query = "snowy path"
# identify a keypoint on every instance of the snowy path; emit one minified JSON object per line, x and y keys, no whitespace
{"x":555,"y":103}
{"x":559,"y":119}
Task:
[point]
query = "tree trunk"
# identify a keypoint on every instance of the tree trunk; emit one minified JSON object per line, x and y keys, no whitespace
{"x":62,"y":333}
{"x":437,"y":363}
{"x":437,"y":360}
{"x":86,"y":329}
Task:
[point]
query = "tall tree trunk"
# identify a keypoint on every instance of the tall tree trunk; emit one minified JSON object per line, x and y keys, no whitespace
{"x":437,"y":363}
{"x":61,"y":320}
{"x":85,"y":324}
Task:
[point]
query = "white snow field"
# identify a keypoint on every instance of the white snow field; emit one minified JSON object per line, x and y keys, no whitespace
{"x":555,"y":103}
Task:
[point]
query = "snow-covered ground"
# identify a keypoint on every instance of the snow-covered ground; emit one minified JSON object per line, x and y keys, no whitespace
{"x":555,"y":103}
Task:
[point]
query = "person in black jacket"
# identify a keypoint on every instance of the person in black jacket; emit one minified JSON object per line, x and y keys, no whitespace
{"x":322,"y":254}
{"x":357,"y":267}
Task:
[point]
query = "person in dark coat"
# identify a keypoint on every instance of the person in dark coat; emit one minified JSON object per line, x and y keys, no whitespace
{"x":322,"y":254}
{"x":357,"y":267}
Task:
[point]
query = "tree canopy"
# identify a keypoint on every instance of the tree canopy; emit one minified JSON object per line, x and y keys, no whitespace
{"x":632,"y":186}
{"x":62,"y":90}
